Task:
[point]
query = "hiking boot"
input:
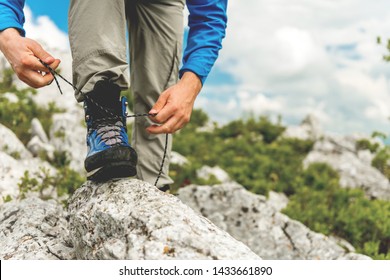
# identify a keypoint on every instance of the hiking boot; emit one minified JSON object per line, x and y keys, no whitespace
{"x":109,"y":152}
{"x":165,"y":188}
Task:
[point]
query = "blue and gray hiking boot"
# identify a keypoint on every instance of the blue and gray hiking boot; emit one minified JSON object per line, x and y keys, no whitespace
{"x":109,"y":152}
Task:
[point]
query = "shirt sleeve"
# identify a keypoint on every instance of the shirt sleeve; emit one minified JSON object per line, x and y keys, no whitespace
{"x":207,"y":25}
{"x":11,"y":15}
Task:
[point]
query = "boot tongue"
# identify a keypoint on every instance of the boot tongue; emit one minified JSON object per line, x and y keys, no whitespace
{"x":106,"y":94}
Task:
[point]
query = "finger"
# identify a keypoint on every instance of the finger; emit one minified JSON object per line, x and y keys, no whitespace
{"x":165,"y":114}
{"x":35,"y":79}
{"x":32,"y":63}
{"x":171,"y":126}
{"x":161,"y":102}
{"x":159,"y":129}
{"x":55,"y":64}
{"x":39,"y":52}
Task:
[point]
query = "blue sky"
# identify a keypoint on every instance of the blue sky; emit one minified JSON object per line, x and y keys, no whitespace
{"x":293,"y":58}
{"x":57,"y":11}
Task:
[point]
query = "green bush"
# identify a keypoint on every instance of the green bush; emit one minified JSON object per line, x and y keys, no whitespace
{"x":249,"y":150}
{"x":365,"y":144}
{"x":325,"y":207}
{"x":381,"y":161}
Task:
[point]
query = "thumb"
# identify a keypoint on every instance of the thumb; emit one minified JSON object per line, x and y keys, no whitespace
{"x":42,"y":54}
{"x":162,"y":100}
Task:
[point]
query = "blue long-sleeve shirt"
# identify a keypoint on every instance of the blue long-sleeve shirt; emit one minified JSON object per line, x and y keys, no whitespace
{"x":11,"y":15}
{"x":207,"y":24}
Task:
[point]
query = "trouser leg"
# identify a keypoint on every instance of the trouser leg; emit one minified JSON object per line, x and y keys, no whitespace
{"x":97,"y":34}
{"x":155,"y":34}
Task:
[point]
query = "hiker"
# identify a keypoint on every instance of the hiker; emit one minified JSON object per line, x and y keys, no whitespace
{"x":97,"y":35}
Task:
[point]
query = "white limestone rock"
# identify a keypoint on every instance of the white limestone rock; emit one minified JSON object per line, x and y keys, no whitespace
{"x":131,"y":219}
{"x":37,"y":147}
{"x":12,"y":170}
{"x":250,"y":219}
{"x":33,"y":229}
{"x":178,"y":159}
{"x":38,"y":131}
{"x":354,"y":166}
{"x":67,"y":134}
{"x":206,"y":172}
{"x":309,"y":129}
{"x":11,"y":145}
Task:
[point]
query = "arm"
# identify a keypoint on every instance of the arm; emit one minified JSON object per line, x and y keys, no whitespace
{"x":207,"y":22}
{"x":11,"y":15}
{"x":22,"y":53}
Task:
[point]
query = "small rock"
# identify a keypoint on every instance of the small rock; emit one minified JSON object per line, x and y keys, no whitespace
{"x":178,"y":159}
{"x":309,"y":129}
{"x":37,"y":130}
{"x":37,"y":147}
{"x":206,"y":172}
{"x":11,"y":145}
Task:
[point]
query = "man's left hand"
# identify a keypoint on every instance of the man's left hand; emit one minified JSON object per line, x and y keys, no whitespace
{"x":174,"y":106}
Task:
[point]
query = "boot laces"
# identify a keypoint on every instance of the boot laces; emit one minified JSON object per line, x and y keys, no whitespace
{"x":110,"y":132}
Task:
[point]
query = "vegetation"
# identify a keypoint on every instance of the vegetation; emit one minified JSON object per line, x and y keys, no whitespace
{"x":50,"y":186}
{"x":254,"y":155}
{"x":325,"y":207}
{"x":252,"y":152}
{"x":386,"y":57}
{"x":249,"y":150}
{"x":18,"y":115}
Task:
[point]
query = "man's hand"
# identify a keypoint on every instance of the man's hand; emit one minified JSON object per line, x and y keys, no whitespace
{"x":174,"y":107}
{"x":23,"y":53}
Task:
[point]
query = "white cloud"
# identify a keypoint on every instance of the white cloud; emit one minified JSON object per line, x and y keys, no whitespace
{"x":292,"y":58}
{"x":310,"y":56}
{"x":45,"y":31}
{"x":259,"y":103}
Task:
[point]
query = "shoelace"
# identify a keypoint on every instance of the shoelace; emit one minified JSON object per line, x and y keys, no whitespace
{"x":110,"y":134}
{"x":113,"y":116}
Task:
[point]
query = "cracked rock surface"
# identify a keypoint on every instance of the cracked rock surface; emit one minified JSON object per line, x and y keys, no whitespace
{"x":33,"y":229}
{"x":131,"y":219}
{"x":251,"y":219}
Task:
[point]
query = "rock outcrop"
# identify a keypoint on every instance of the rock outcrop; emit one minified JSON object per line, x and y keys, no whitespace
{"x":130,"y":219}
{"x":12,"y":170}
{"x":309,"y":129}
{"x":253,"y":220}
{"x":67,"y":134}
{"x":207,"y":172}
{"x":354,"y":166}
{"x":33,"y":229}
{"x":10,"y":144}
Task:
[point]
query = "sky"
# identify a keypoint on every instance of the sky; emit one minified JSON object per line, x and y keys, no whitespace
{"x":284,"y":58}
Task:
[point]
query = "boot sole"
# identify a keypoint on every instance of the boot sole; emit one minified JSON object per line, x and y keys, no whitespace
{"x":116,"y":162}
{"x":111,"y":171}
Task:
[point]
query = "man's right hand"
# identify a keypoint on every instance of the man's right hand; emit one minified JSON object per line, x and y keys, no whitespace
{"x":23,"y":53}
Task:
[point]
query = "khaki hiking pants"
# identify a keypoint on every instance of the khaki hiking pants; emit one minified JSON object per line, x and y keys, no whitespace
{"x":97,"y":34}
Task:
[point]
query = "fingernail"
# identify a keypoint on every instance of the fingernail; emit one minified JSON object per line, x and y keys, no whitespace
{"x":153,"y":111}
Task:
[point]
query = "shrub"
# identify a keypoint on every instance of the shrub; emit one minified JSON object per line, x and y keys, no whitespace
{"x":325,"y":207}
